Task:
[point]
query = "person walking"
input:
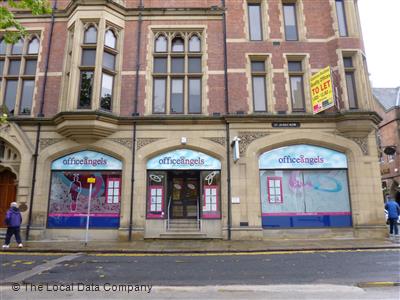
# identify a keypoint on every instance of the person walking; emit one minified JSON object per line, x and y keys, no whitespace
{"x":393,"y":210}
{"x":13,"y":221}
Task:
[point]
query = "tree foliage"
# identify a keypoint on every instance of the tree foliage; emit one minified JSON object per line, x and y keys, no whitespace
{"x":13,"y":28}
{"x":3,"y":119}
{"x":3,"y":114}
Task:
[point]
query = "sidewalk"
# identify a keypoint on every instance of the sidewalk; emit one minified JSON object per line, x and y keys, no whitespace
{"x":204,"y":246}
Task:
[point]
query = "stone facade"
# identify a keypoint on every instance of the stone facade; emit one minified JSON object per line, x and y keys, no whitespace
{"x":133,"y":134}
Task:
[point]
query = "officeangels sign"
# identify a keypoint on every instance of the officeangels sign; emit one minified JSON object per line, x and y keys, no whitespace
{"x":86,"y":160}
{"x":302,"y":157}
{"x":304,"y":186}
{"x":183,"y":159}
{"x":69,"y":191}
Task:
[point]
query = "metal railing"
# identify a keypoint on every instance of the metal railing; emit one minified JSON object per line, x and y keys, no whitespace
{"x":198,"y":221}
{"x":198,"y":214}
{"x":168,"y":212}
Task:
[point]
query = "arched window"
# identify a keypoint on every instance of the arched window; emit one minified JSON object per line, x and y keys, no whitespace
{"x":161,"y":44}
{"x":98,"y":67}
{"x":2,"y":149}
{"x":90,"y":35}
{"x":88,"y":62}
{"x":109,"y":71}
{"x":194,"y":44}
{"x":17,"y":47}
{"x":177,"y":69}
{"x":110,"y":40}
{"x":178,"y":45}
{"x":33,"y":47}
{"x":20,"y":75}
{"x":3,"y":46}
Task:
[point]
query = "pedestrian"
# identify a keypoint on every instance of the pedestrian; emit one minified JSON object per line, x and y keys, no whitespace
{"x":393,"y":210}
{"x":13,"y":221}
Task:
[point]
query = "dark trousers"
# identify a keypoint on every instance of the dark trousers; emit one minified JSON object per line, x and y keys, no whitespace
{"x":10,"y":232}
{"x":393,"y":225}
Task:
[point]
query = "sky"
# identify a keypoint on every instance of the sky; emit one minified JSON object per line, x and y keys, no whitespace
{"x":380,"y":21}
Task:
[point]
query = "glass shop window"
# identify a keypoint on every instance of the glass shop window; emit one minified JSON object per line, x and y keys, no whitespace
{"x":113,"y":190}
{"x":156,"y":182}
{"x":274,"y":189}
{"x":211,"y":188}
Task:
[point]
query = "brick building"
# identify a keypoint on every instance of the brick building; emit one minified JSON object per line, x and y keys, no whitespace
{"x":387,"y":105}
{"x":194,"y":118}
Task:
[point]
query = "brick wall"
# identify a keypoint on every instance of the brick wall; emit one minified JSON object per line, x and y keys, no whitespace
{"x":319,"y":25}
{"x":389,"y":136}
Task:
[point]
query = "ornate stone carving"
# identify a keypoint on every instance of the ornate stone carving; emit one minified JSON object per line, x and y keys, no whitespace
{"x":15,"y":166}
{"x":46,"y":142}
{"x":218,"y":140}
{"x":127,"y":142}
{"x":120,"y":2}
{"x":5,"y":127}
{"x":141,"y":142}
{"x":363,"y":143}
{"x":247,"y":137}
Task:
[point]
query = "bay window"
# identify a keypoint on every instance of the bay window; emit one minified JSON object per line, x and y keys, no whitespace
{"x":98,"y":68}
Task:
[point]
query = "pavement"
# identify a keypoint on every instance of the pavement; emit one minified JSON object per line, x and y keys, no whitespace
{"x":159,"y":246}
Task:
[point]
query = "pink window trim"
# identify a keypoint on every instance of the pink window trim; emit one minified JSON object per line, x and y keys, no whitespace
{"x":269,"y":195}
{"x":118,"y":179}
{"x":213,"y":214}
{"x":155,"y":214}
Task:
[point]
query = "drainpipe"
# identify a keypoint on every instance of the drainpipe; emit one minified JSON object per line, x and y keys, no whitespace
{"x":39,"y":115}
{"x":135,"y":108}
{"x":228,"y":138}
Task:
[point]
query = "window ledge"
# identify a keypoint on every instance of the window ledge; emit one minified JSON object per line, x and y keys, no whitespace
{"x":85,"y":126}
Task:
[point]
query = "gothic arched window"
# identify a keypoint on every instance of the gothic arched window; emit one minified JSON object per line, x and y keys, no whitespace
{"x":33,"y":47}
{"x":90,"y":35}
{"x":161,"y":44}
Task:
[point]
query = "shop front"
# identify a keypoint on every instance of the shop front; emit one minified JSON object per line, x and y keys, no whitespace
{"x":304,"y":186}
{"x":183,"y":192}
{"x":69,"y":191}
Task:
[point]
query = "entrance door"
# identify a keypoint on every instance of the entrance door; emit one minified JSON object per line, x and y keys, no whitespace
{"x":184,"y":194}
{"x":8,"y":191}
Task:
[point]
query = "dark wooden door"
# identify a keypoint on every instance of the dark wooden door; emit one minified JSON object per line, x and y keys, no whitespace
{"x":184,"y":189}
{"x":8,"y":191}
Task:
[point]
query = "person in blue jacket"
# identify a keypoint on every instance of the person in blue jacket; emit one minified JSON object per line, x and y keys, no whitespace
{"x":393,"y":210}
{"x":13,"y":221}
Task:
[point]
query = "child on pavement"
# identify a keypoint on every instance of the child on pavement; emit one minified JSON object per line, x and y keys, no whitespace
{"x":13,"y":221}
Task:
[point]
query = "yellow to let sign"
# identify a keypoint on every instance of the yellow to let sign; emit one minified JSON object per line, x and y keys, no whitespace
{"x":322,"y":90}
{"x":91,"y":180}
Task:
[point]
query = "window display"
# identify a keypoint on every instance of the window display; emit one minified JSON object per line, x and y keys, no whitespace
{"x":314,"y":194}
{"x":156,"y":195}
{"x":69,"y":191}
{"x":211,"y":181}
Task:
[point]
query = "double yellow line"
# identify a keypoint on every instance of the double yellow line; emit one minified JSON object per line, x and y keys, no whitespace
{"x":202,"y":254}
{"x":377,"y":284}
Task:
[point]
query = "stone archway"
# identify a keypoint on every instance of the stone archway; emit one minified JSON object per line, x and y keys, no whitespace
{"x":9,"y":166}
{"x":10,"y":159}
{"x":8,"y":191}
